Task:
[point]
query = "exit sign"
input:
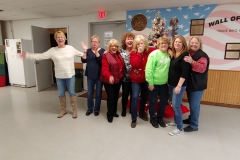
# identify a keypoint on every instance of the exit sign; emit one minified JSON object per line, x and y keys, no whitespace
{"x":102,"y":15}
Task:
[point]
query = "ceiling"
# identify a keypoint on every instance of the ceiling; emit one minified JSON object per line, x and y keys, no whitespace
{"x":31,"y":9}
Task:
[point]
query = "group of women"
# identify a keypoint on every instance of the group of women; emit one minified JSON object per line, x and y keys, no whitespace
{"x":154,"y":72}
{"x":143,"y":72}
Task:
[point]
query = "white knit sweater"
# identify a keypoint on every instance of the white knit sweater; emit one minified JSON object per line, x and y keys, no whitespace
{"x":63,"y":59}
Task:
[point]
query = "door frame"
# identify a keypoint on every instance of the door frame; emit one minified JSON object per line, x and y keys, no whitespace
{"x":50,"y":47}
{"x":53,"y":27}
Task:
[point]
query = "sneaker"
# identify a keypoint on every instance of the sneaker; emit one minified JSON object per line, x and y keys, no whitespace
{"x":189,"y":129}
{"x":154,"y":122}
{"x":171,"y":124}
{"x":176,"y":132}
{"x":145,"y":118}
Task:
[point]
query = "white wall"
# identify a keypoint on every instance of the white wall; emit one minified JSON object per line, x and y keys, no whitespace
{"x":79,"y":28}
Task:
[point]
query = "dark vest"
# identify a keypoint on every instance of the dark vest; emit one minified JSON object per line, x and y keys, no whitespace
{"x":198,"y":81}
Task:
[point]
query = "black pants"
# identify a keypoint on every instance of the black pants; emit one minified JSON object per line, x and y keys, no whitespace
{"x":126,"y":91}
{"x":162,"y":92}
{"x":112,"y":91}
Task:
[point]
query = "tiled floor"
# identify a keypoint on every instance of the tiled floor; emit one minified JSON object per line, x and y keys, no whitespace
{"x":30,"y":130}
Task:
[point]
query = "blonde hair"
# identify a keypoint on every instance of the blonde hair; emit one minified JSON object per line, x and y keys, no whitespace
{"x":113,"y":42}
{"x":61,"y":33}
{"x":163,"y":39}
{"x":184,"y":46}
{"x":199,"y":40}
{"x":95,"y":36}
{"x":137,"y":40}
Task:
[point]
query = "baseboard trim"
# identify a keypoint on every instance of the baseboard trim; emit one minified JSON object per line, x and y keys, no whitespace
{"x":217,"y":104}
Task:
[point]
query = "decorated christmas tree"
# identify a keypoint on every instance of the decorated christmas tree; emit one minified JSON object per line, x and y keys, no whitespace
{"x":157,"y":30}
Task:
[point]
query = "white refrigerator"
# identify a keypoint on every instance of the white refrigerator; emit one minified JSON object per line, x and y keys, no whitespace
{"x":21,"y":71}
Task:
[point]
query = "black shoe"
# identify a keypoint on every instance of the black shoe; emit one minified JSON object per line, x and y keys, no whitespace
{"x":189,"y":129}
{"x":154,"y":122}
{"x":133,"y":124}
{"x":110,"y":119}
{"x":123,"y":114}
{"x":161,"y":122}
{"x":115,"y":115}
{"x":88,"y":113}
{"x":186,"y":121}
{"x":145,"y":118}
{"x":96,"y":113}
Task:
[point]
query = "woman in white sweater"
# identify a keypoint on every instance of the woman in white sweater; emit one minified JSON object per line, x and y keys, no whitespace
{"x":63,"y":58}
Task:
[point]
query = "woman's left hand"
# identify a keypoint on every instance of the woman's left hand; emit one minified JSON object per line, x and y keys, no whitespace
{"x":151,"y":87}
{"x":188,"y":59}
{"x":84,"y":46}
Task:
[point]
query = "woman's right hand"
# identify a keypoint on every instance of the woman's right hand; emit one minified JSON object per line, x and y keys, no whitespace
{"x":141,"y":48}
{"x":23,"y":54}
{"x":111,"y":79}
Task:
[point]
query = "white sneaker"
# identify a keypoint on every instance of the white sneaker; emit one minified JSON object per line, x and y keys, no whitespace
{"x":172,"y":124}
{"x":176,"y":132}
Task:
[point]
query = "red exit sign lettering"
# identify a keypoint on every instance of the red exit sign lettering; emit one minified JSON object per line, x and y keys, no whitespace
{"x":102,"y":15}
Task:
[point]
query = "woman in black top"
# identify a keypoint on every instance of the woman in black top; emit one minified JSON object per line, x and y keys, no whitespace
{"x":93,"y":58}
{"x":177,"y":80}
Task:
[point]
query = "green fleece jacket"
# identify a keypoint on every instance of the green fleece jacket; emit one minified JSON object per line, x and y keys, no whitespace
{"x":157,"y":68}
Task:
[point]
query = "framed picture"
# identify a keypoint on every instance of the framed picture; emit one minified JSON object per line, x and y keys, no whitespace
{"x":233,"y":46}
{"x":232,"y":51}
{"x":197,"y":27}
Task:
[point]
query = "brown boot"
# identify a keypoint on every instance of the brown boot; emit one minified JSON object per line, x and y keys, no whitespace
{"x":74,"y":106}
{"x":63,"y":107}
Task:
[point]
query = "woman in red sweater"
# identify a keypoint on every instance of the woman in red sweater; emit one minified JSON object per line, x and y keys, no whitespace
{"x":111,"y":75}
{"x":138,"y":60}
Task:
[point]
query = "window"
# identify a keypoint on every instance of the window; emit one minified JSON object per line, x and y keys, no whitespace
{"x":197,"y":27}
{"x":232,"y":51}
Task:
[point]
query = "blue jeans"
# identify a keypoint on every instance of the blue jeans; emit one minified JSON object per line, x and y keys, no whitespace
{"x":194,"y":99}
{"x":62,"y":83}
{"x":162,"y":92}
{"x":91,"y":84}
{"x":138,"y":88}
{"x":176,"y":103}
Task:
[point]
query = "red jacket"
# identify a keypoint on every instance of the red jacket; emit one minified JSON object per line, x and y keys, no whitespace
{"x":138,"y":62}
{"x":112,"y":65}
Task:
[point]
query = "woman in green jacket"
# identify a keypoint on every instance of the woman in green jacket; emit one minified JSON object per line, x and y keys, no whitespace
{"x":156,"y":73}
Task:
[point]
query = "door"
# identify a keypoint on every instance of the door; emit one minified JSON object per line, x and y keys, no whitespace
{"x":43,"y":71}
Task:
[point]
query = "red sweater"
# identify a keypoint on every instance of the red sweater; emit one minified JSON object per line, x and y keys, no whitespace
{"x":112,"y":65}
{"x":200,"y":65}
{"x":138,"y":63}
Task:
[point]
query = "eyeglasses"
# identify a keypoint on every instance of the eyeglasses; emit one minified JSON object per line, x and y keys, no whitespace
{"x":94,"y":41}
{"x":163,"y":43}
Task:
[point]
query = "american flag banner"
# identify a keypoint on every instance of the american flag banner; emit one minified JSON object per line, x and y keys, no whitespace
{"x":222,"y":25}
